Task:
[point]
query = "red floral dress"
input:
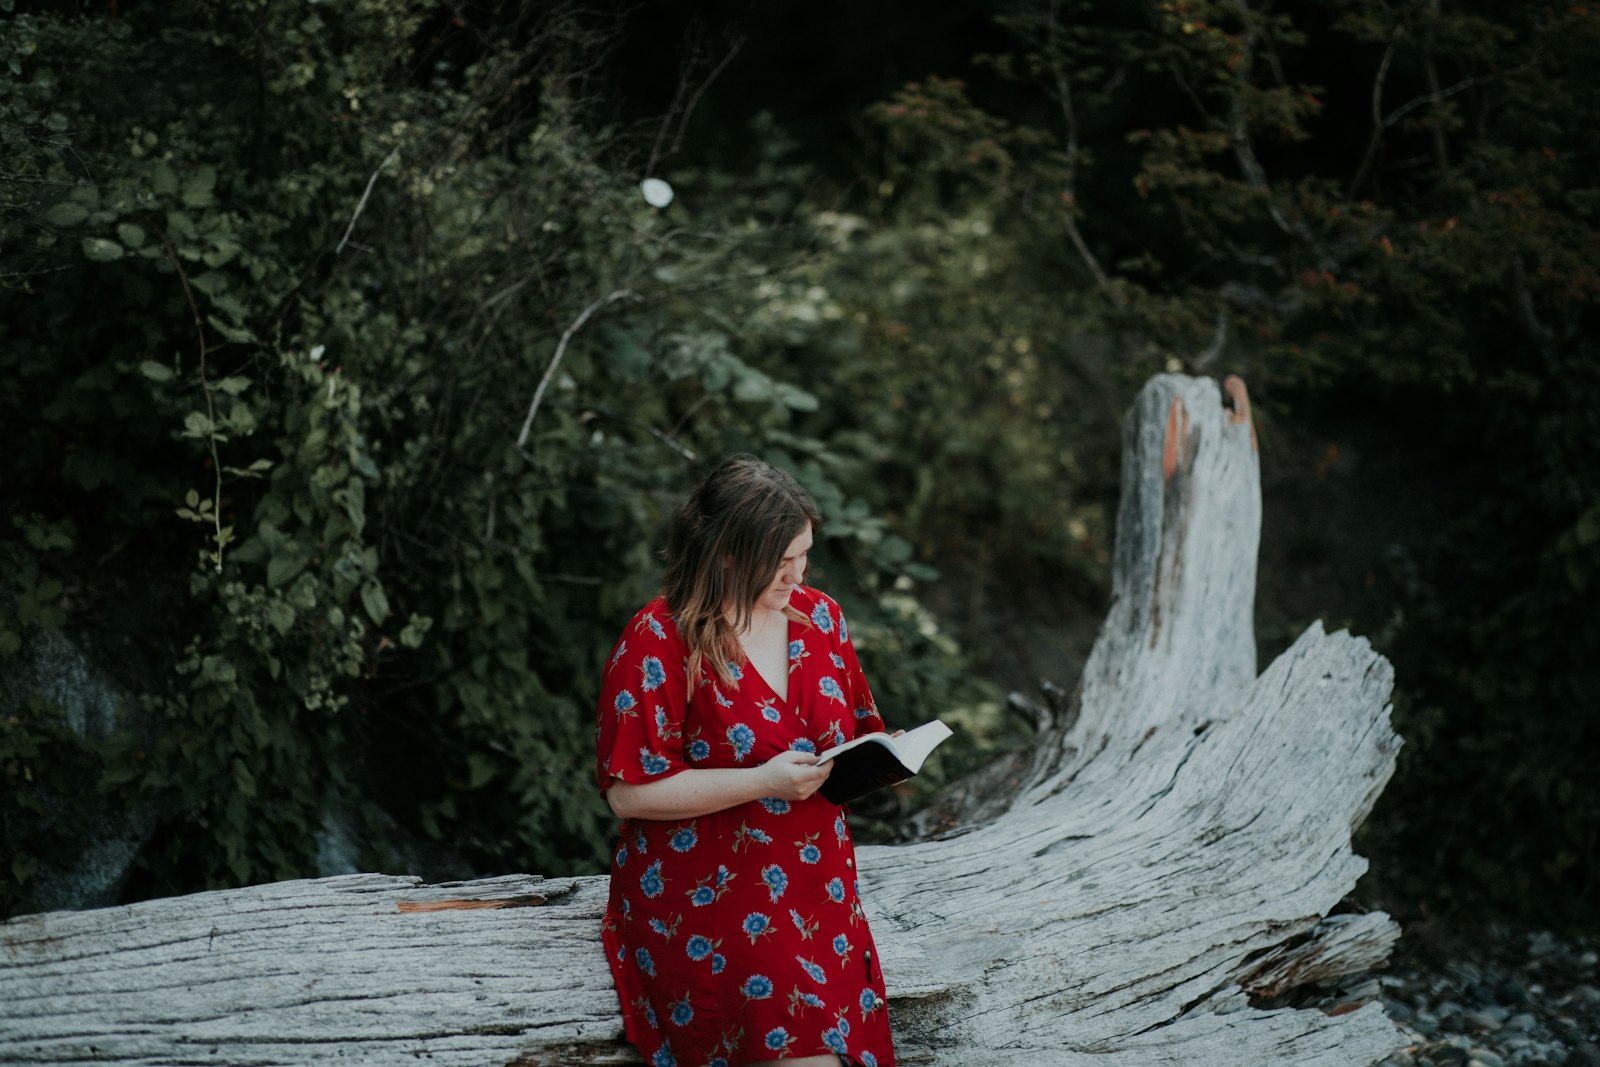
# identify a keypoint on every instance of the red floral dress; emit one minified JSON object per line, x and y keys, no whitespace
{"x":737,"y":937}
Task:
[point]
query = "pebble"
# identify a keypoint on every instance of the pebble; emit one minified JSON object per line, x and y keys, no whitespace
{"x":1527,"y":999}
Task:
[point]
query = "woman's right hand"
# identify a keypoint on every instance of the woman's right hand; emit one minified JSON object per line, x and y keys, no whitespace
{"x":795,"y":775}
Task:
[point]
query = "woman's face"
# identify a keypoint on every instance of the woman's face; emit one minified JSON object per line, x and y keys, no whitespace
{"x":790,"y":572}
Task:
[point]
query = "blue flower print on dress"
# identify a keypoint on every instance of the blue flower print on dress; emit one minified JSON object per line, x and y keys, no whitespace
{"x":841,"y":945}
{"x":746,"y":833}
{"x":770,"y":713}
{"x":735,"y":671}
{"x":655,"y":675}
{"x":776,"y":881}
{"x":724,"y":876}
{"x":699,"y":750}
{"x":757,"y":987}
{"x":803,"y":744}
{"x":683,"y":839}
{"x":778,"y":1039}
{"x":663,"y":1058}
{"x":869,"y":1001}
{"x":775,"y":806}
{"x":639,"y":844}
{"x":756,"y":924}
{"x":624,"y":703}
{"x":797,"y":652}
{"x":868,"y":1060}
{"x":818,"y":975}
{"x":718,"y":962}
{"x":668,"y":930}
{"x":844,"y":628}
{"x":653,"y":762}
{"x":743,"y":739}
{"x":864,"y":713}
{"x":809,"y":852}
{"x":650,"y":881}
{"x":838,"y":660}
{"x":839,"y":830}
{"x":843,"y":1024}
{"x":650,"y":621}
{"x":797,"y":998}
{"x":622,"y":650}
{"x":641,"y":956}
{"x":835,"y":1040}
{"x":622,"y":855}
{"x":701,"y":895}
{"x":828,"y":686}
{"x":682,"y":1013}
{"x":807,"y":927}
{"x":836,"y":890}
{"x":821,"y":619}
{"x":721,"y":700}
{"x":698,"y":947}
{"x":649,"y":1012}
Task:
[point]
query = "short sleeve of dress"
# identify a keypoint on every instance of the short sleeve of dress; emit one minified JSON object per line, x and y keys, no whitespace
{"x":855,"y":681}
{"x":643,"y":698}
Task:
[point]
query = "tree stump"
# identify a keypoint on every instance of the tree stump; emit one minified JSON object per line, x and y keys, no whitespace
{"x":1152,"y":885}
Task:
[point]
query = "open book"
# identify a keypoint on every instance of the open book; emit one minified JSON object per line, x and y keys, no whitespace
{"x":873,"y":761}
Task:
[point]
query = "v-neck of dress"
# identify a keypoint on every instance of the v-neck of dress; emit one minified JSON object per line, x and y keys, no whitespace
{"x":783,"y":696}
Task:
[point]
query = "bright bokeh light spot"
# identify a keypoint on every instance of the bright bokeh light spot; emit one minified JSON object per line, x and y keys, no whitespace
{"x":657,"y":193}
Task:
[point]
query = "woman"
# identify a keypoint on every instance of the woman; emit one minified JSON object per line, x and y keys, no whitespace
{"x":734,"y":932}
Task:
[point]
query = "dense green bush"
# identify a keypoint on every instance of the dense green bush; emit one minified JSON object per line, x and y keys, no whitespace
{"x":283,"y":284}
{"x":287,"y":285}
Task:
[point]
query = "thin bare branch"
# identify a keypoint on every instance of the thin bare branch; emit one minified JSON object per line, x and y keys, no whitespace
{"x":361,"y":206}
{"x":1377,"y":119}
{"x":716,"y":72}
{"x":1070,"y":116}
{"x":561,"y":350}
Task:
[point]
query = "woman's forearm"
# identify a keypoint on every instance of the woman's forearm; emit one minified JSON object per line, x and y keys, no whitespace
{"x":689,"y":794}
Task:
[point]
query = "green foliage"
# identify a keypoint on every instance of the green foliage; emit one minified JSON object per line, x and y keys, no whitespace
{"x":1368,"y":204}
{"x":384,"y":374}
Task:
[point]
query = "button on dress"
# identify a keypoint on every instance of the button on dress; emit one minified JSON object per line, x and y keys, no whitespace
{"x":738,"y":936}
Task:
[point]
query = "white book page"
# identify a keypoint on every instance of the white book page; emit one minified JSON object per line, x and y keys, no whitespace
{"x":911,"y":747}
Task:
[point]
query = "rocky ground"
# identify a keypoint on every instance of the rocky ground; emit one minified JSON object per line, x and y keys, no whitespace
{"x":1513,"y":999}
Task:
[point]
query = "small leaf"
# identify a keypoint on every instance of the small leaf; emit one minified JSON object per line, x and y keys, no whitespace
{"x":233,"y":385}
{"x":101,"y":250}
{"x":280,"y":616}
{"x":130,"y":234}
{"x":1589,"y":527}
{"x":23,"y":867}
{"x":197,"y":189}
{"x":236,"y":334}
{"x":375,"y":602}
{"x":163,"y":179}
{"x":243,"y":778}
{"x":156,"y":372}
{"x":66,"y":213}
{"x":480,"y":770}
{"x":191,"y":498}
{"x":416,"y":627}
{"x":284,"y":566}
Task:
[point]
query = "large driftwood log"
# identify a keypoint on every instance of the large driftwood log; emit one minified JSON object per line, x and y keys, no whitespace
{"x":1158,"y":886}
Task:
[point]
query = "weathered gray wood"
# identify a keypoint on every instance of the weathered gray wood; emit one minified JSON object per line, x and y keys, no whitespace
{"x":1172,"y":849}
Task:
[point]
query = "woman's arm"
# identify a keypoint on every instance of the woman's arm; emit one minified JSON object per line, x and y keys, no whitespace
{"x":692,"y":793}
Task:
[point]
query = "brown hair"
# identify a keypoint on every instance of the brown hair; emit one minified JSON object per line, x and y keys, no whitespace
{"x":745,"y":513}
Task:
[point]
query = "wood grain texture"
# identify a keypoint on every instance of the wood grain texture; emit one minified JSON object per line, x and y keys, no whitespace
{"x":1157,"y":889}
